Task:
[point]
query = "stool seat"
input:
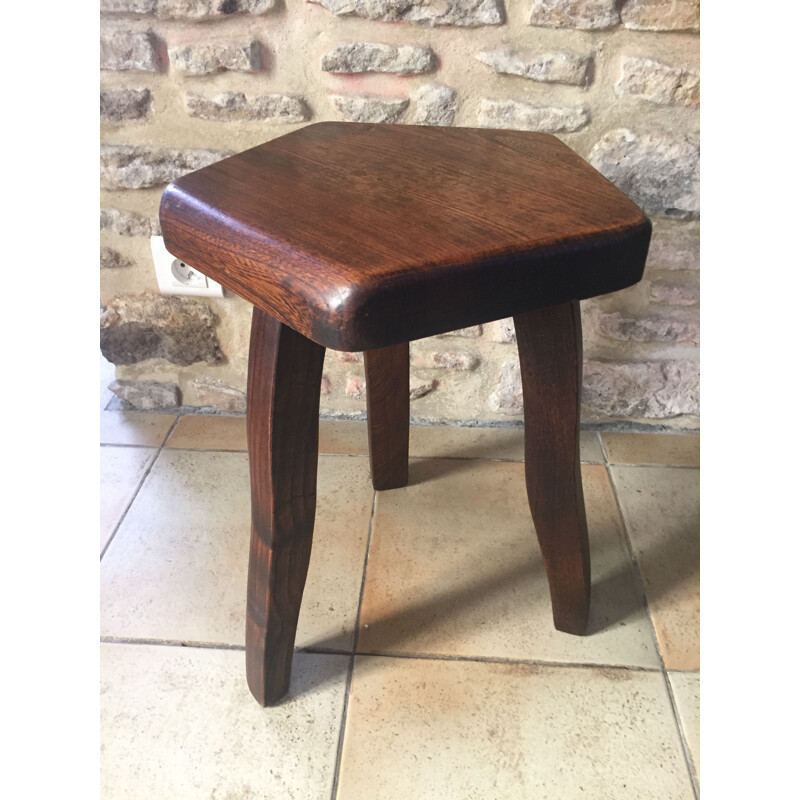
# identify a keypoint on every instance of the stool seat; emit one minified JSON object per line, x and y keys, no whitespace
{"x":362,"y":236}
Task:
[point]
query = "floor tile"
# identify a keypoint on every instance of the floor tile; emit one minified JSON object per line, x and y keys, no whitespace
{"x":134,"y":428}
{"x":505,"y":444}
{"x":450,"y":729}
{"x":661,"y":507}
{"x":455,"y":569}
{"x":343,"y":436}
{"x":670,"y":449}
{"x":686,"y":689}
{"x":179,"y":722}
{"x":177,"y":568}
{"x":208,"y":432}
{"x":121,"y":469}
{"x":591,"y":451}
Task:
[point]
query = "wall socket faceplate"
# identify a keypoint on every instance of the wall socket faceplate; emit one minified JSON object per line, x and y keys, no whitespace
{"x":178,"y":277}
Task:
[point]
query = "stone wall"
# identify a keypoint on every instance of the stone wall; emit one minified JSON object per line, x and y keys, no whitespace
{"x":186,"y":82}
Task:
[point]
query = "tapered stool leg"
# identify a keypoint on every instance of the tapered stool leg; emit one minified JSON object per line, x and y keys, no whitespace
{"x":283,"y":388}
{"x":387,"y":415}
{"x":551,"y":366}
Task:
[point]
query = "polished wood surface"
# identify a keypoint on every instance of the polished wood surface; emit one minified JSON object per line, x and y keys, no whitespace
{"x":362,"y":236}
{"x":551,"y":366}
{"x":365,"y":237}
{"x":387,"y":415}
{"x":283,"y":388}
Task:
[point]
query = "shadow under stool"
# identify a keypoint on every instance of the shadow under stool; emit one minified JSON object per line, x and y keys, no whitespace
{"x":365,"y":237}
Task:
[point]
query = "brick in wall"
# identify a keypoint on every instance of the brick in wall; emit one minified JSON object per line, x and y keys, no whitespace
{"x":211,"y":9}
{"x":418,"y":388}
{"x":181,"y":330}
{"x":355,"y":386}
{"x":210,"y":58}
{"x":662,"y":15}
{"x":643,"y":390}
{"x":674,"y":245}
{"x":466,"y":13}
{"x":138,"y":167}
{"x":372,"y":57}
{"x":434,"y":104}
{"x":507,"y":395}
{"x":659,"y":83}
{"x":113,"y":259}
{"x":147,"y":395}
{"x":128,"y":6}
{"x":125,"y":105}
{"x":517,"y":115}
{"x":502,"y":331}
{"x":674,"y":293}
{"x":220,"y":395}
{"x":126,"y":223}
{"x":236,"y":106}
{"x":460,"y":360}
{"x":582,"y":14}
{"x":652,"y":328}
{"x":196,"y":10}
{"x":473,"y":332}
{"x":368,"y":108}
{"x":125,"y":50}
{"x":659,"y":172}
{"x":558,"y":67}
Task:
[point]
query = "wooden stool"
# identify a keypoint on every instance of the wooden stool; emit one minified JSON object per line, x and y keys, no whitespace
{"x":364,"y":237}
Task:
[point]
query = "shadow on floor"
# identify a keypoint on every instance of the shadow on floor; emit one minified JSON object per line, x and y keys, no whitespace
{"x":616,"y":598}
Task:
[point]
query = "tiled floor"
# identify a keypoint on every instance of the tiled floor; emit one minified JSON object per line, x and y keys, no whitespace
{"x":429,"y":666}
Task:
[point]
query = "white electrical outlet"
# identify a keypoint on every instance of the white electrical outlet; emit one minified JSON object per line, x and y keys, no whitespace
{"x":178,"y":277}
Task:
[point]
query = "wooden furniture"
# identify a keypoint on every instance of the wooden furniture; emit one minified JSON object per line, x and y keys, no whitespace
{"x":364,"y":237}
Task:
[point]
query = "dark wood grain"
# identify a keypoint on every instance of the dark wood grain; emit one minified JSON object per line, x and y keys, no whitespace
{"x":365,"y":237}
{"x":283,"y":388}
{"x":387,"y":415}
{"x":362,"y":236}
{"x":551,"y":366}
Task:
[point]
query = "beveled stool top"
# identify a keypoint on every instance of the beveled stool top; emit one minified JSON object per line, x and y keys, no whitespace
{"x":360,"y":236}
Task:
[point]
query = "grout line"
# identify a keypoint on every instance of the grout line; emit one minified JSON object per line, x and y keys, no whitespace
{"x":137,"y":490}
{"x":130,"y":445}
{"x":653,"y":466}
{"x":528,"y":662}
{"x":603,"y":456}
{"x":324,"y":651}
{"x":640,"y":583}
{"x":171,"y":643}
{"x":351,"y":665}
{"x":206,"y":450}
{"x":364,"y":573}
{"x":682,"y":736}
{"x":421,"y":458}
{"x":603,"y":448}
{"x":340,"y":743}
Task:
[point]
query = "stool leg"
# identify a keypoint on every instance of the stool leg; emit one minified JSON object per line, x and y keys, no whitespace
{"x":283,"y":385}
{"x":551,"y":366}
{"x":387,"y":415}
